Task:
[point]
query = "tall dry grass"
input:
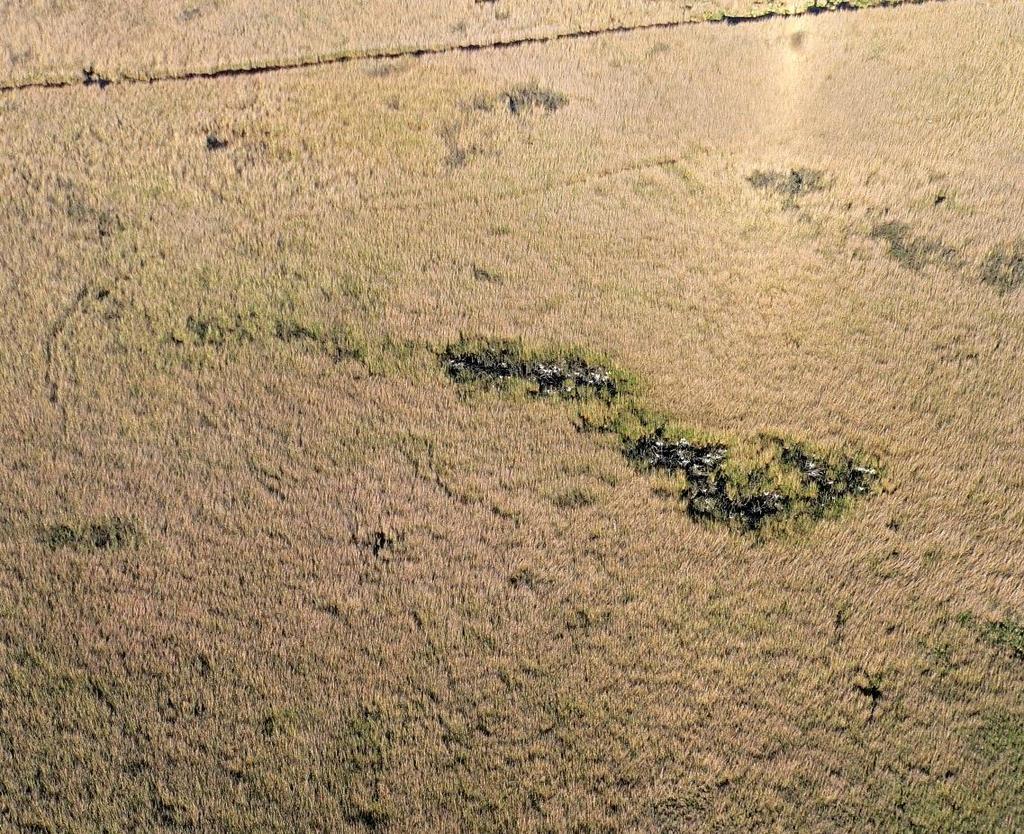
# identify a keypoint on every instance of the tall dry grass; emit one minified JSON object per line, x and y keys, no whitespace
{"x":358,"y":597}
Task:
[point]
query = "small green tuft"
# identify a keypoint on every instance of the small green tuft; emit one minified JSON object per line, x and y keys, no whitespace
{"x":1007,"y":634}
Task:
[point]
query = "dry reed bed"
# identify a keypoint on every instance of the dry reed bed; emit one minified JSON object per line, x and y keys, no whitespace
{"x":356,"y":596}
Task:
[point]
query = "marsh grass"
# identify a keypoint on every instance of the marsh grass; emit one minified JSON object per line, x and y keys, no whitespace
{"x":373,"y":555}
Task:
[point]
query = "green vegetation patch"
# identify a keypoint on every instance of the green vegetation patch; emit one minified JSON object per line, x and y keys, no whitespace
{"x":99,"y":534}
{"x":1000,"y":744}
{"x":338,"y":342}
{"x":744,"y":485}
{"x":1007,"y":634}
{"x":219,"y":331}
{"x":747,"y":484}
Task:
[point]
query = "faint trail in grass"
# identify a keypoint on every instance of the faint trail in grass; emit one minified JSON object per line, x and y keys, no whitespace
{"x":12,"y":276}
{"x":421,"y":454}
{"x":583,"y":178}
{"x":92,"y":77}
{"x":50,"y":348}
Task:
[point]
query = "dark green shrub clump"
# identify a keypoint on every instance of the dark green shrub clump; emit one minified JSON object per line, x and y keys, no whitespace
{"x":568,"y":375}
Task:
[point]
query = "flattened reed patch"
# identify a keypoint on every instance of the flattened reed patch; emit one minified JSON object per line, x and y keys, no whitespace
{"x":216,"y":330}
{"x":98,"y":534}
{"x":789,"y":185}
{"x":363,"y":749}
{"x":82,"y":209}
{"x":1003,"y":267}
{"x":913,"y":251}
{"x":291,"y":330}
{"x":486,"y":276}
{"x":341,"y":343}
{"x":573,"y":499}
{"x":529,"y":97}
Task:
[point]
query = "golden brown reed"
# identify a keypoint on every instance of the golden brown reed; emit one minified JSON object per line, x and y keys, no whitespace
{"x":357,"y":597}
